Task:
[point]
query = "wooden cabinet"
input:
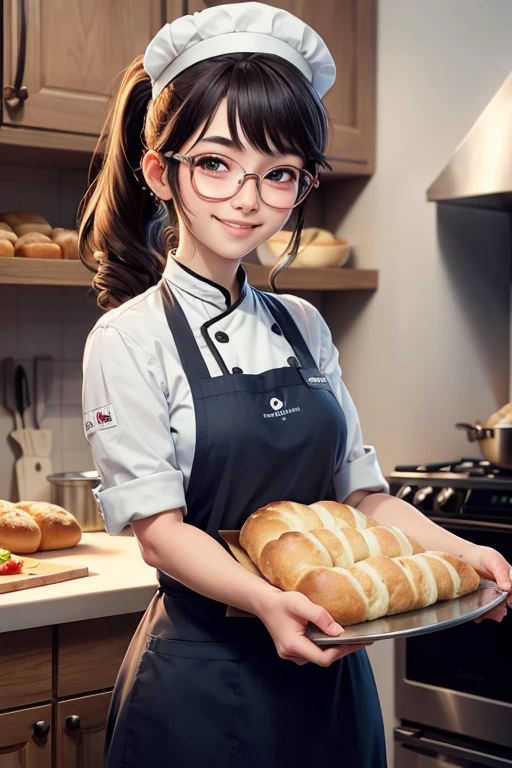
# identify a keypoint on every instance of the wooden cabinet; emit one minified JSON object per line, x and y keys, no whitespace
{"x":349,"y":29}
{"x":69,"y":671}
{"x":26,"y":738}
{"x":80,"y":731}
{"x":25,"y":668}
{"x":75,"y":52}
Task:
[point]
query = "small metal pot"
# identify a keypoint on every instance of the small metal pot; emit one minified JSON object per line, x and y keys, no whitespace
{"x":73,"y":491}
{"x":495,"y":443}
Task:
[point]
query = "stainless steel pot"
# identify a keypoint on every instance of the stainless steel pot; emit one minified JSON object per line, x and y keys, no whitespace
{"x":73,"y":491}
{"x":495,"y":443}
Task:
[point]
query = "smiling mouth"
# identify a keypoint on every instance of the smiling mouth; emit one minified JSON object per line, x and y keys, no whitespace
{"x":237,"y":226}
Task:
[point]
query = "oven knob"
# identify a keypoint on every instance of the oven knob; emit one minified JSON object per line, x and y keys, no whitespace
{"x":406,"y":492}
{"x":449,"y":501}
{"x":423,"y":499}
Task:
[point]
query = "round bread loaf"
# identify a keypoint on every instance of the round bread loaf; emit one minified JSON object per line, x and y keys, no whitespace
{"x":35,"y":245}
{"x":19,"y":532}
{"x":59,"y":528}
{"x":6,"y":248}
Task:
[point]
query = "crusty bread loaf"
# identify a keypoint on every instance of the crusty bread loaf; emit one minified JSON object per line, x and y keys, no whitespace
{"x":269,"y":522}
{"x":382,"y":586}
{"x":6,"y":248}
{"x":6,"y":233}
{"x":19,"y":533}
{"x":34,"y":245}
{"x":67,"y":240}
{"x":59,"y":528}
{"x":344,"y":561}
{"x":17,"y":218}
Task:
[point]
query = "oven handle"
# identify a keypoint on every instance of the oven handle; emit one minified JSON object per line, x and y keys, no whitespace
{"x":449,"y":522}
{"x":415,"y":740}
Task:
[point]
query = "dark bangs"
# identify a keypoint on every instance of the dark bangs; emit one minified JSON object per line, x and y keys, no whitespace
{"x":273,"y":101}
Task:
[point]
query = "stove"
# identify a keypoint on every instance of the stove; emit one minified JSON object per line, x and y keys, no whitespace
{"x":454,"y":687}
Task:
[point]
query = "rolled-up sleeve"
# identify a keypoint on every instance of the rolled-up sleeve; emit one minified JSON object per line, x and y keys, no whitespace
{"x":359,"y":468}
{"x":126,"y":422}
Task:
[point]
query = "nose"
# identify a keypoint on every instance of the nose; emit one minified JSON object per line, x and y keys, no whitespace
{"x":247,"y":197}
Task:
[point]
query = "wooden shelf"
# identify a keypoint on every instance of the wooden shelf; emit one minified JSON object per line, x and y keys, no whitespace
{"x":18,"y":271}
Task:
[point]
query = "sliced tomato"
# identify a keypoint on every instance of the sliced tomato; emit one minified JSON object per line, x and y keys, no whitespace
{"x":13,"y":565}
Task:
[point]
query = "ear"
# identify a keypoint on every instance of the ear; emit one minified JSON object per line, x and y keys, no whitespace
{"x":155,"y":173}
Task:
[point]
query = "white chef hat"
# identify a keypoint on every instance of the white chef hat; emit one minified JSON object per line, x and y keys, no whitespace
{"x":238,"y":28}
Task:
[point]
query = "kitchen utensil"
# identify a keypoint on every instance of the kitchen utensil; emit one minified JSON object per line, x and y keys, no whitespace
{"x":442,"y":615}
{"x":495,"y":443}
{"x":73,"y":491}
{"x":43,"y":381}
{"x":9,"y":396}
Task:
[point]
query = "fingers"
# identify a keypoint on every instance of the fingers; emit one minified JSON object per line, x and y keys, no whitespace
{"x":307,"y":651}
{"x":321,"y":618}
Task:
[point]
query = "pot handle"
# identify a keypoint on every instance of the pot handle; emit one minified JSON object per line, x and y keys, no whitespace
{"x":474,"y":433}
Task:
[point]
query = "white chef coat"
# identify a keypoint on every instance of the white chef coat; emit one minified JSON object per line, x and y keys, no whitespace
{"x":138,"y":410}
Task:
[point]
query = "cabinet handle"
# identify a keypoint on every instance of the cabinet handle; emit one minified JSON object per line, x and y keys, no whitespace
{"x":18,"y":91}
{"x":41,"y":729}
{"x":73,"y":723}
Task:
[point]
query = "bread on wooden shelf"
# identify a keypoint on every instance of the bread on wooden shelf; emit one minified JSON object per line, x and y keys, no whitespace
{"x":67,"y":240}
{"x":34,"y":245}
{"x":342,"y":560}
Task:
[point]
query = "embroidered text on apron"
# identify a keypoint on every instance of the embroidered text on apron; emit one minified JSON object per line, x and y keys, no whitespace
{"x":198,"y":689}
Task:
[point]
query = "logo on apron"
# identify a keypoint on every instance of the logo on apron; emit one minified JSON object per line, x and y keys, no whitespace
{"x":279,"y":411}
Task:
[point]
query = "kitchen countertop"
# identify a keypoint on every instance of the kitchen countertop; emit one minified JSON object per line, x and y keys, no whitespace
{"x":119,"y":582}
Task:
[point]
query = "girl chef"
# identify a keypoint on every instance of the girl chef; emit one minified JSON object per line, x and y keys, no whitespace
{"x":205,"y":399}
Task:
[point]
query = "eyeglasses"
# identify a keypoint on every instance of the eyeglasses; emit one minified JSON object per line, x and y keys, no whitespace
{"x":217,"y":177}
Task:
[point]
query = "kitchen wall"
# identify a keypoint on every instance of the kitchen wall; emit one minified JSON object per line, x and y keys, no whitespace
{"x":431,"y":346}
{"x":46,"y":320}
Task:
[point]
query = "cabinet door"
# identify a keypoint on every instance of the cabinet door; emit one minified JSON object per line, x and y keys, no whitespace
{"x":25,"y":738}
{"x":75,"y":52}
{"x":80,"y":731}
{"x":349,"y":30}
{"x":25,"y":667}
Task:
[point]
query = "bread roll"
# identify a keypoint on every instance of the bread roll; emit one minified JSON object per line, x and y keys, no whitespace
{"x":16,"y":218}
{"x":6,"y":233}
{"x":271,"y":521}
{"x":19,"y":533}
{"x":37,"y":246}
{"x":382,"y":586}
{"x":67,"y":240}
{"x":6,"y":249}
{"x":343,"y":561}
{"x":33,"y":226}
{"x":59,"y":528}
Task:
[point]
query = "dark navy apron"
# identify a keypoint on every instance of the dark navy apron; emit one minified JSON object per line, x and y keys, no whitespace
{"x":198,"y":689}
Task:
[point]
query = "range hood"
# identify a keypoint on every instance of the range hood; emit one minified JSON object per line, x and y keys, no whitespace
{"x":479,"y":173}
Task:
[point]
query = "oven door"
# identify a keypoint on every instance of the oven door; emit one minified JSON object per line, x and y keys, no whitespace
{"x":414,"y":749}
{"x":460,"y":679}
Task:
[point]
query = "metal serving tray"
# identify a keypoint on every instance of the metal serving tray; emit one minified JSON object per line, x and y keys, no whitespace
{"x":442,"y":615}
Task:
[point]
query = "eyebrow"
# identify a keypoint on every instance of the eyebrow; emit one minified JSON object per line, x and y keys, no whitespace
{"x":222,"y":140}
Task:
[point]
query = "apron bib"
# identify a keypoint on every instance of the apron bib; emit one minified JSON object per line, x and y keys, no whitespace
{"x":197,"y":688}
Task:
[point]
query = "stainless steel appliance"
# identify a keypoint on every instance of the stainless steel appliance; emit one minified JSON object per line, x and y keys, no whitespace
{"x":73,"y":491}
{"x":454,"y":687}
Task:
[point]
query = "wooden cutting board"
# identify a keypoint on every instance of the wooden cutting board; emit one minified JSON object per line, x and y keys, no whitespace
{"x":38,"y":573}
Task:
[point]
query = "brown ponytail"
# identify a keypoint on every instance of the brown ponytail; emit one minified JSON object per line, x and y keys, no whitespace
{"x":115,"y":213}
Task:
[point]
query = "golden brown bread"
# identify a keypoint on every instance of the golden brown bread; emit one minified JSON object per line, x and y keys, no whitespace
{"x":342,"y":560}
{"x":269,"y":522}
{"x":6,"y":233}
{"x":59,"y":528}
{"x":67,"y":240}
{"x":17,"y":218}
{"x":6,"y":248}
{"x":19,"y":533}
{"x":382,"y":586}
{"x":34,"y":245}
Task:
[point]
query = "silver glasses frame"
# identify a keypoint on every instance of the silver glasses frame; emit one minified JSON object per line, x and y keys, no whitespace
{"x":190,"y":160}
